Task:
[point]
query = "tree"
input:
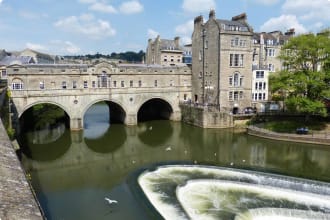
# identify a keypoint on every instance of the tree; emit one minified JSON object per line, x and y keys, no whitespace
{"x":305,"y":82}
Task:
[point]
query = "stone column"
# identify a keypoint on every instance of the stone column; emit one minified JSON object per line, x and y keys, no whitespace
{"x":76,"y":124}
{"x":131,"y":119}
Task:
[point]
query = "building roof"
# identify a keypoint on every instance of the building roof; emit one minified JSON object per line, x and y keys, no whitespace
{"x":10,"y":60}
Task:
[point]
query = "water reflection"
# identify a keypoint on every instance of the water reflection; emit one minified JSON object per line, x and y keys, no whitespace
{"x":111,"y":140}
{"x":46,"y":144}
{"x":155,"y":133}
{"x":97,"y":163}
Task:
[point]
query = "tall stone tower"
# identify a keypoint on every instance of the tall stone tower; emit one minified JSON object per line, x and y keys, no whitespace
{"x":222,"y":62}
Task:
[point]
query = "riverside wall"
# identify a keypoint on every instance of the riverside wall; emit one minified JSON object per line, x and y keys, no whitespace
{"x":313,"y":138}
{"x":204,"y":117}
{"x":17,"y":201}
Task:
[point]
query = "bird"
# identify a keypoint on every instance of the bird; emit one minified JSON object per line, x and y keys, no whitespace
{"x":168,"y":148}
{"x":110,"y":201}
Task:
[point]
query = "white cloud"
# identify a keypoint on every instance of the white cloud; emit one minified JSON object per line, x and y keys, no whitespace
{"x":198,"y":6}
{"x":37,"y":47}
{"x":186,"y":28}
{"x":0,"y":1}
{"x":102,"y":7}
{"x":87,"y":25}
{"x":185,"y":40}
{"x":152,"y":34}
{"x":131,"y":7}
{"x":266,"y":2}
{"x":283,"y":23}
{"x":307,"y":9}
{"x":64,"y":47}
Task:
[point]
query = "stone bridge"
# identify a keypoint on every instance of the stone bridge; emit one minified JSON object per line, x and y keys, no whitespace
{"x":129,"y":90}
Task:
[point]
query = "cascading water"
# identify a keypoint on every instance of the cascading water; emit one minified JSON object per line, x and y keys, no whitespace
{"x":202,"y":192}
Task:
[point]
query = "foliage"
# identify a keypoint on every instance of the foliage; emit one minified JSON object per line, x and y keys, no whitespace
{"x":128,"y":56}
{"x":305,"y":83}
{"x":290,"y":126}
{"x":46,"y":114}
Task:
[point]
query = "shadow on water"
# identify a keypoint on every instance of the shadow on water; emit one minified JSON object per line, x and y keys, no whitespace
{"x":155,"y":133}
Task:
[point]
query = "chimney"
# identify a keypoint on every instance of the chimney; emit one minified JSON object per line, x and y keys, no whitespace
{"x":177,"y":42}
{"x":198,"y":19}
{"x":212,"y":14}
{"x":240,"y":18}
{"x":290,"y":32}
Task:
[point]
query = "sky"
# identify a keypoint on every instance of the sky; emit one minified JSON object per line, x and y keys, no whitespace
{"x":77,"y":27}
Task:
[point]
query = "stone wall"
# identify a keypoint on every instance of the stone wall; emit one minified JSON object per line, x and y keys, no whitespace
{"x":205,"y":117}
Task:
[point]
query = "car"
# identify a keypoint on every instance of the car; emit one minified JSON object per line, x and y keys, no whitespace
{"x":249,"y":110}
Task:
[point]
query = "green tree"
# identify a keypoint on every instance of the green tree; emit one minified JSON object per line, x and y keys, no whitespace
{"x":305,"y":82}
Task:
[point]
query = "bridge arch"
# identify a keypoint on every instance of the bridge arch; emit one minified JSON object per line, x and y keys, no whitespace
{"x":155,"y":108}
{"x":116,"y":110}
{"x":65,"y":109}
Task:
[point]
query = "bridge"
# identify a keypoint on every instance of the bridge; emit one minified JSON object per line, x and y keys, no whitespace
{"x":133,"y":92}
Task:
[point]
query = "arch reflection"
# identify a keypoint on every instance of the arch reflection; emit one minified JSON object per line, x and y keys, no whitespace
{"x":110,"y":141}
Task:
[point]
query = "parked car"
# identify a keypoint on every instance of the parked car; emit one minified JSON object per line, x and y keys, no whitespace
{"x":250,"y":110}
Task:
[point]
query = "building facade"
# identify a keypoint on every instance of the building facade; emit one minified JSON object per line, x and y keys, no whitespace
{"x":221,"y":62}
{"x":164,"y":52}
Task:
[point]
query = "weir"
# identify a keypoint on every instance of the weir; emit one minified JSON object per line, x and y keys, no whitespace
{"x":200,"y":192}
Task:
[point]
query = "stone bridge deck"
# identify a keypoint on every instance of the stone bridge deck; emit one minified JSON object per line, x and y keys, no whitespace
{"x":17,"y":201}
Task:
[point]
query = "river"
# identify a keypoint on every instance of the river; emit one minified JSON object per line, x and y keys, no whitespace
{"x":73,"y":172}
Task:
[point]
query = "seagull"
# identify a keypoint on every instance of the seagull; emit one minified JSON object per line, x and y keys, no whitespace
{"x":150,"y":128}
{"x":110,"y":201}
{"x":168,"y":148}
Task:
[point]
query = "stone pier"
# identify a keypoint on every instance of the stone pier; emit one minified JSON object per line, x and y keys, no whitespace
{"x":17,"y":201}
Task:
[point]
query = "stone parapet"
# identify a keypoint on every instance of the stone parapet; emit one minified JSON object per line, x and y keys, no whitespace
{"x":16,"y":198}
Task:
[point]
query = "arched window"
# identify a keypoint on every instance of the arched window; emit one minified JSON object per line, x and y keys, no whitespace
{"x":17,"y":84}
{"x":236,"y":79}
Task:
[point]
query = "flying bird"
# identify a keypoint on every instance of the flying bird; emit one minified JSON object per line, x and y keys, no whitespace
{"x":110,"y":201}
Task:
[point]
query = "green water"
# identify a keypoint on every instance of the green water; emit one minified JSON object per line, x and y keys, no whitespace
{"x":72,"y":172}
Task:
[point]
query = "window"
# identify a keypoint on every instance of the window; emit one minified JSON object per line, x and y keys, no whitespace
{"x":271,"y":67}
{"x":171,"y":82}
{"x":165,"y":60}
{"x":115,"y":83}
{"x":200,"y":55}
{"x":140,"y":83}
{"x":235,"y":95}
{"x":17,"y":84}
{"x":260,"y":86}
{"x":236,"y":60}
{"x":85,"y":84}
{"x":63,"y":84}
{"x":270,"y":52}
{"x":3,"y":73}
{"x":260,"y":74}
{"x":122,"y":83}
{"x":74,"y":84}
{"x":256,"y":87}
{"x":185,"y":97}
{"x":263,"y":96}
{"x":156,"y":83}
{"x":236,"y":76}
{"x":264,"y":86}
{"x":260,"y":96}
{"x":241,"y":95}
{"x":230,"y":96}
{"x":206,"y":44}
{"x":93,"y":84}
{"x":230,"y":80}
{"x":131,"y":83}
{"x":42,"y":85}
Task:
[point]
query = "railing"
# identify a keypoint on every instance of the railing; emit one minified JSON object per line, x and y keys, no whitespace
{"x":206,"y":106}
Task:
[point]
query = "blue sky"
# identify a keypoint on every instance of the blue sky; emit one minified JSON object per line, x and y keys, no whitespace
{"x":66,"y":27}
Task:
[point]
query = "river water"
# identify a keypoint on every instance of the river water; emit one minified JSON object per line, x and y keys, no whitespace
{"x":73,"y":172}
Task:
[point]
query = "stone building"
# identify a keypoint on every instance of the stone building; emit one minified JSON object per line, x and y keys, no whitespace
{"x":164,"y":52}
{"x":221,"y":62}
{"x":266,"y":49}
